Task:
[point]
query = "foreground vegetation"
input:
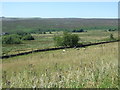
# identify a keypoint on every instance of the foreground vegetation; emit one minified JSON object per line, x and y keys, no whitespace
{"x":89,"y":67}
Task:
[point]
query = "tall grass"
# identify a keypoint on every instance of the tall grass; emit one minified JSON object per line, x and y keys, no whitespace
{"x":90,"y":67}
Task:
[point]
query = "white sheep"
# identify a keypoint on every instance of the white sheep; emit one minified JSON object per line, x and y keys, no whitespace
{"x":84,"y":49}
{"x":64,"y":50}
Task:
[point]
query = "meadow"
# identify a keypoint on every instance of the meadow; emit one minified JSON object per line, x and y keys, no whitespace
{"x":46,"y":41}
{"x":88,"y":67}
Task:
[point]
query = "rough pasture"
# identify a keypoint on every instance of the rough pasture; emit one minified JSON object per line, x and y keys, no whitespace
{"x":94,"y":67}
{"x":43,"y":41}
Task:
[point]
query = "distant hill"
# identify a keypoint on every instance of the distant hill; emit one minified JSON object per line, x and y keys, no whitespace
{"x":55,"y":24}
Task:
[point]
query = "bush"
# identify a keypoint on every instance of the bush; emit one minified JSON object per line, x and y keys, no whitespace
{"x":11,"y":39}
{"x":16,"y":38}
{"x":44,"y":32}
{"x":25,"y":35}
{"x":50,"y":32}
{"x":28,"y":37}
{"x":21,"y":33}
{"x":112,"y":29}
{"x":81,"y":30}
{"x":67,"y":39}
{"x":112,"y":37}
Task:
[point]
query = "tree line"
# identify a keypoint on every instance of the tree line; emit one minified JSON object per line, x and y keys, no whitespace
{"x":16,"y":38}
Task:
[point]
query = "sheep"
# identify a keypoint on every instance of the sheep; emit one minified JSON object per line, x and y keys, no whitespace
{"x":84,"y":49}
{"x":64,"y":50}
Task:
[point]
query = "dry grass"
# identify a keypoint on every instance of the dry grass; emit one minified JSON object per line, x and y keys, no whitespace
{"x":90,"y":67}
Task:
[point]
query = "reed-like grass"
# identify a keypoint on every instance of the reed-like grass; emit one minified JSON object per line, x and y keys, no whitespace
{"x":90,"y":67}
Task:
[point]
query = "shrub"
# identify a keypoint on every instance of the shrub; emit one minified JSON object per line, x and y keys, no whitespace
{"x":11,"y":39}
{"x":16,"y":38}
{"x":50,"y":32}
{"x":21,"y":33}
{"x":28,"y":37}
{"x":67,"y":39}
{"x":112,"y":29}
{"x":25,"y":35}
{"x":111,"y":37}
{"x":81,"y":30}
{"x":44,"y":32}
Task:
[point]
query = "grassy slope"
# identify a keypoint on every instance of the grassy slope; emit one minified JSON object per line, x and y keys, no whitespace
{"x":95,"y":66}
{"x":33,"y":24}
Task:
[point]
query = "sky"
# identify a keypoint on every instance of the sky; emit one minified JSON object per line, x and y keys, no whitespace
{"x":60,"y":9}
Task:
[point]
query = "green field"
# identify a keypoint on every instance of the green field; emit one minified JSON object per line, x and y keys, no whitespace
{"x":90,"y":67}
{"x":86,"y":67}
{"x":46,"y":41}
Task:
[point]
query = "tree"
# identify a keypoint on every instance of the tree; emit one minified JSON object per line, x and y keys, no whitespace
{"x":16,"y":38}
{"x":28,"y":37}
{"x":11,"y":39}
{"x":67,"y":39}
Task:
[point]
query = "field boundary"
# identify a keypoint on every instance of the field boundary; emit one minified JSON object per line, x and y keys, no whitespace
{"x":51,"y":49}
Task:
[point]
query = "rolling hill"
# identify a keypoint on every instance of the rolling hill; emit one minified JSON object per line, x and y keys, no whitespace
{"x":56,"y":24}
